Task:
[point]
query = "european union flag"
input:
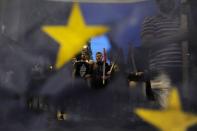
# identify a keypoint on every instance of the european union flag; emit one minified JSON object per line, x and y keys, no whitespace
{"x":38,"y":39}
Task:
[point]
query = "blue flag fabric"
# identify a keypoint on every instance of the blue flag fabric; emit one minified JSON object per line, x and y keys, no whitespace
{"x":21,"y":22}
{"x":28,"y":55}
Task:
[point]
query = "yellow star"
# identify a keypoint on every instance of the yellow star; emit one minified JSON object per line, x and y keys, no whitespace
{"x":170,"y":119}
{"x":73,"y":36}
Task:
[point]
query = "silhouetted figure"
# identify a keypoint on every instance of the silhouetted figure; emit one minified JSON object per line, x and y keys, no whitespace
{"x":162,"y":36}
{"x":97,"y":73}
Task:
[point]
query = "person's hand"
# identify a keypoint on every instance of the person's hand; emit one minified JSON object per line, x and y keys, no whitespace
{"x":105,"y":77}
{"x":109,"y":73}
{"x":132,"y":84}
{"x":139,"y":73}
{"x":91,"y":62}
{"x":74,"y":60}
{"x":87,"y":76}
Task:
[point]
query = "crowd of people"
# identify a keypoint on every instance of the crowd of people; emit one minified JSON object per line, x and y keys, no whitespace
{"x":162,"y":37}
{"x":97,"y":73}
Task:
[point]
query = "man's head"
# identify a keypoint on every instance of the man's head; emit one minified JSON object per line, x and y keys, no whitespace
{"x":99,"y":56}
{"x":86,"y":52}
{"x":166,"y":6}
{"x":83,"y":56}
{"x":85,"y":49}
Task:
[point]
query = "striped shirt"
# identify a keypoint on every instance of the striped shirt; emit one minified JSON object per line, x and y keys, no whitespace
{"x":170,"y":55}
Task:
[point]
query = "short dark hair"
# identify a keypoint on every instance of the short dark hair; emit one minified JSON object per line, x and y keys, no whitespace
{"x":98,"y":53}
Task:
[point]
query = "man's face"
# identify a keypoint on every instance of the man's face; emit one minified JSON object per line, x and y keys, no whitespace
{"x":99,"y":57}
{"x":166,"y":6}
{"x":83,"y":56}
{"x":85,"y":50}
